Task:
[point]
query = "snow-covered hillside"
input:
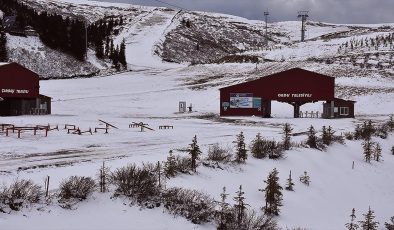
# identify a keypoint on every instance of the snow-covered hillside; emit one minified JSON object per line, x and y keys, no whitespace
{"x":157,"y":36}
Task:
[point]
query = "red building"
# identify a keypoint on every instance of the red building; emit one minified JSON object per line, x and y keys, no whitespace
{"x":294,"y":86}
{"x":19,"y":92}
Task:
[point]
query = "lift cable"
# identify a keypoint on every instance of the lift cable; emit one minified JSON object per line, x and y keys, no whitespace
{"x":170,"y":4}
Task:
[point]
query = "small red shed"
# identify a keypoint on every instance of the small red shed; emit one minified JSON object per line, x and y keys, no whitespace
{"x":295,"y":86}
{"x":19,"y":92}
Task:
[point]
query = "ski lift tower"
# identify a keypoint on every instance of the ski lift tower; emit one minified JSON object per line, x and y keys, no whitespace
{"x":303,"y":15}
{"x":266,"y":13}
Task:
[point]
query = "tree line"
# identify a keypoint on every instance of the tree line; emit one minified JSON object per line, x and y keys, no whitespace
{"x":70,"y":35}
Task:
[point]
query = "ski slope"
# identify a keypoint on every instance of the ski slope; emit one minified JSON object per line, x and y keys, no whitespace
{"x":153,"y":98}
{"x":150,"y":93}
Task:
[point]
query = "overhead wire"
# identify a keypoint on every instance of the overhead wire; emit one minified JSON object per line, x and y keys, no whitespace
{"x":170,"y":4}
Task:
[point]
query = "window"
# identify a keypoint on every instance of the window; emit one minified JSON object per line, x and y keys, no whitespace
{"x":344,"y":111}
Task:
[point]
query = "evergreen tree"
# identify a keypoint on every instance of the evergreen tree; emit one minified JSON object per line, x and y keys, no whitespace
{"x":170,"y":165}
{"x":391,"y":123}
{"x":257,"y":147}
{"x":99,"y":49}
{"x":286,"y":136}
{"x":357,"y":132}
{"x":392,"y":150}
{"x":352,"y":225}
{"x":240,"y":155}
{"x":305,"y":179}
{"x":368,"y":223}
{"x":107,"y":49}
{"x":224,"y":212}
{"x":390,"y":226}
{"x":122,"y":54}
{"x":327,"y":135}
{"x":240,"y":206}
{"x":289,"y":184}
{"x":377,"y":152}
{"x":111,"y":50}
{"x":312,"y":139}
{"x":194,"y":152}
{"x":273,"y":193}
{"x":115,"y":57}
{"x":367,"y":146}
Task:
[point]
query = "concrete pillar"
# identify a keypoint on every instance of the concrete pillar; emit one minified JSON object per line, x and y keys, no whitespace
{"x":296,"y":110}
{"x":332,"y":109}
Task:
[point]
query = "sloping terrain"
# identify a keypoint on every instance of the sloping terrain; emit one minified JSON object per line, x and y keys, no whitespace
{"x":161,"y":46}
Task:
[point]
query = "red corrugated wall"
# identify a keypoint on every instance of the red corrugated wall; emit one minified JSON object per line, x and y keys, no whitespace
{"x":18,"y":82}
{"x":294,"y":85}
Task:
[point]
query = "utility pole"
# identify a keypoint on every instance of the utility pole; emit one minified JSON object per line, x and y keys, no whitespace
{"x":303,"y":15}
{"x":266,"y":13}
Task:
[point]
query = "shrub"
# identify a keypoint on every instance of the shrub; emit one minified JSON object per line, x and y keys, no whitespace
{"x":275,"y":150}
{"x":195,"y":206}
{"x":219,"y":154}
{"x":138,"y":183}
{"x":18,"y":194}
{"x":76,"y":187}
{"x":250,"y":221}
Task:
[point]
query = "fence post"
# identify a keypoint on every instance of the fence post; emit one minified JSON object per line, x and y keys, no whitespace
{"x":47,"y":186}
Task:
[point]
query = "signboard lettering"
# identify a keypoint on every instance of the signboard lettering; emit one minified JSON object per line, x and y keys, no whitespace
{"x":294,"y":95}
{"x":15,"y":91}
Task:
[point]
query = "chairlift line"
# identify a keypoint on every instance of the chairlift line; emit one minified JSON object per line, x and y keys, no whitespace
{"x":169,"y":4}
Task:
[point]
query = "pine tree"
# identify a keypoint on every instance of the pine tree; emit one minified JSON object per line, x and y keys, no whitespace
{"x":377,"y":152}
{"x":305,"y":179}
{"x":352,"y":225}
{"x":224,"y":212}
{"x":391,"y":123}
{"x":257,"y":147}
{"x":273,"y":193}
{"x":122,"y":54}
{"x":312,"y":139}
{"x":107,"y":49}
{"x":289,"y":184}
{"x":240,"y":206}
{"x":367,"y":146}
{"x":358,"y":132}
{"x":368,"y":223}
{"x":390,"y":226}
{"x":286,"y":136}
{"x":327,"y":135}
{"x":194,"y":152}
{"x":241,"y":155}
{"x":99,"y":49}
{"x":170,"y":165}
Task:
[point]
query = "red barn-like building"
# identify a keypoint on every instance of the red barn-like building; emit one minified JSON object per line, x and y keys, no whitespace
{"x":294,"y":86}
{"x":19,"y":92}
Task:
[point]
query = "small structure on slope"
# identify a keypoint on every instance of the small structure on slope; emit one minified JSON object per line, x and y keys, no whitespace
{"x":19,"y":92}
{"x":295,"y":87}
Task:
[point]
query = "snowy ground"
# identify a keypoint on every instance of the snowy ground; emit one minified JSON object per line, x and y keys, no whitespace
{"x":151,"y":93}
{"x":152,"y":96}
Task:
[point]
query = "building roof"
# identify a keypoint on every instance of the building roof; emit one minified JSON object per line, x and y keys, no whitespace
{"x":343,"y":100}
{"x":294,"y":72}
